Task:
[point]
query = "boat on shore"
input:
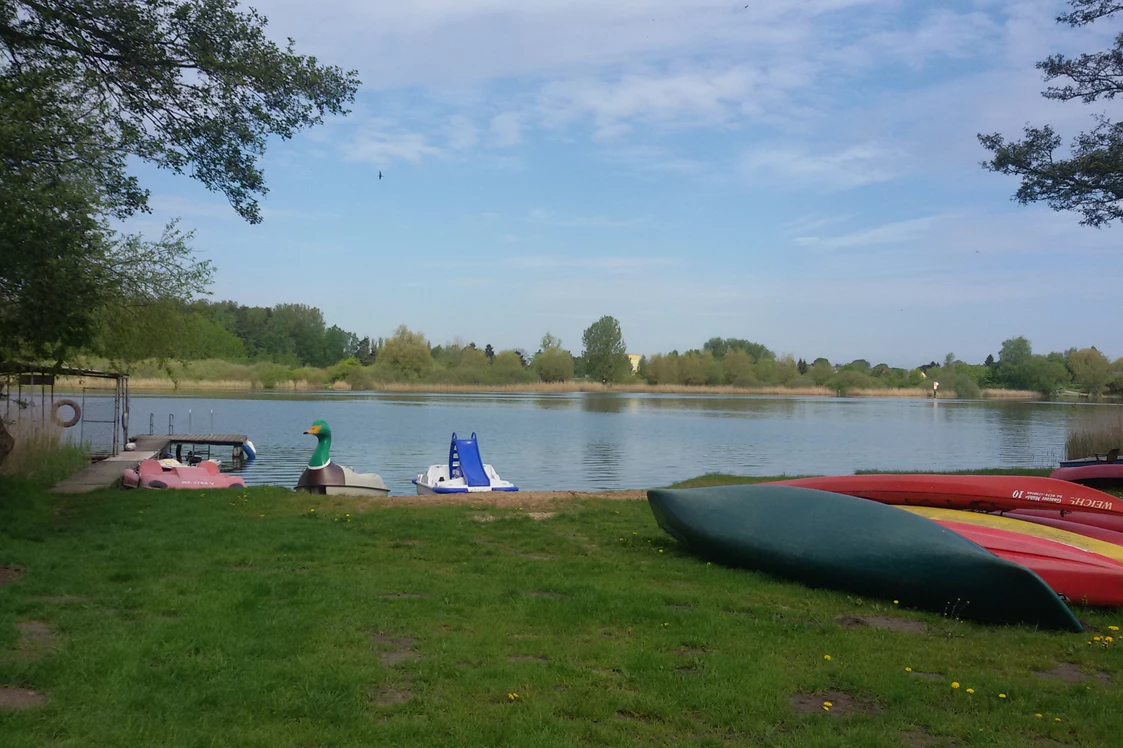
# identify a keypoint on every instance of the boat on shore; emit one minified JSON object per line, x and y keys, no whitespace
{"x":170,"y":473}
{"x":1101,"y":471}
{"x":988,"y":493}
{"x":1079,"y":568}
{"x":465,"y":472}
{"x":869,"y":548}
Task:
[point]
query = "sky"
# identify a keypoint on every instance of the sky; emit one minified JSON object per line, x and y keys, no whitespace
{"x":800,"y":173}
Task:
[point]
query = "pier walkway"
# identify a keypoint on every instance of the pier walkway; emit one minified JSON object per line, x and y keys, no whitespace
{"x":105,"y":473}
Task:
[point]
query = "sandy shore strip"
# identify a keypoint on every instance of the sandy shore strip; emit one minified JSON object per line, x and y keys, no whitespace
{"x":498,"y":499}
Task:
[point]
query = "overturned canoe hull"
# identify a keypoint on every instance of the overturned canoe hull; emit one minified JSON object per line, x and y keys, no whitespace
{"x":840,"y":542}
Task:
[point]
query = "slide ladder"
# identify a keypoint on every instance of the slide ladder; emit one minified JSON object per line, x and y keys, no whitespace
{"x":464,"y":461}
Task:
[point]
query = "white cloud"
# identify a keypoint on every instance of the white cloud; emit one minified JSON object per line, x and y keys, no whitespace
{"x":890,"y":233}
{"x":372,"y":143}
{"x":852,"y":166}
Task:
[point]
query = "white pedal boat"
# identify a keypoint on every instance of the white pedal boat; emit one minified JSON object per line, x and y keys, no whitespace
{"x":464,"y":473}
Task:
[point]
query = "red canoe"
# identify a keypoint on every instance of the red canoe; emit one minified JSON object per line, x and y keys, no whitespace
{"x":1081,"y":569}
{"x":1091,"y":519}
{"x":1100,"y":474}
{"x":1098,"y":526}
{"x":171,"y":474}
{"x":990,"y":493}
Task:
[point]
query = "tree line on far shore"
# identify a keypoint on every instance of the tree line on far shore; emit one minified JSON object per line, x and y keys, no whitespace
{"x":272,"y":345}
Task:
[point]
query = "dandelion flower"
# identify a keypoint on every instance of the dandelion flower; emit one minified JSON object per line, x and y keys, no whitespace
{"x":1097,"y":638}
{"x":1038,"y":715}
{"x":971,"y":690}
{"x":908,"y":670}
{"x":660,"y":550}
{"x":896,"y":602}
{"x":826,"y":708}
{"x":1056,"y":719}
{"x":826,"y":657}
{"x":828,"y":703}
{"x":955,"y":684}
{"x":1001,"y":695}
{"x":1108,"y":639}
{"x":1112,"y":628}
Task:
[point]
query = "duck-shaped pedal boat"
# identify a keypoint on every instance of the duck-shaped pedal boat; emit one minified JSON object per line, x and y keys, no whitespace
{"x":323,"y":476}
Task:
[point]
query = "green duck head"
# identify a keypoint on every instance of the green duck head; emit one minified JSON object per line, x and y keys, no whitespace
{"x":322,"y":456}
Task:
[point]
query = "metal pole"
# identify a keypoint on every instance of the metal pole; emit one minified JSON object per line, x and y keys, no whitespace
{"x":212,"y":420}
{"x":189,"y":429}
{"x":171,"y":423}
{"x":151,"y":423}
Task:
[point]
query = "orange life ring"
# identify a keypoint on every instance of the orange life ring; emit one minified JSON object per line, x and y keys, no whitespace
{"x":73,"y":420}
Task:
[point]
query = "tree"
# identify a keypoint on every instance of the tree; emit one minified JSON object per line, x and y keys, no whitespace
{"x":189,"y":85}
{"x":507,"y":368}
{"x":1090,"y":180}
{"x":737,"y":369}
{"x":1091,"y":370}
{"x":193,"y":86}
{"x":553,"y":363}
{"x":1014,"y":364}
{"x":604,"y":351}
{"x":721,"y":346}
{"x":489,"y":352}
{"x":407,"y":352}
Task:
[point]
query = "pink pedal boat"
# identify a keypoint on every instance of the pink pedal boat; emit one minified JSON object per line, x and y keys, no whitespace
{"x":173,"y":474}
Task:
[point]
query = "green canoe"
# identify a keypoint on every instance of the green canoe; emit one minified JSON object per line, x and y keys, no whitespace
{"x":840,"y":542}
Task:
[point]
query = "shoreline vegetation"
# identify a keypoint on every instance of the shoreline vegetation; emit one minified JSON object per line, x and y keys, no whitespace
{"x":407,"y":362}
{"x":167,"y":384}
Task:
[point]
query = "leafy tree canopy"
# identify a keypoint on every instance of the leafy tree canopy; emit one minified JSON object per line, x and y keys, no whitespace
{"x":604,"y":351}
{"x":1090,"y":179}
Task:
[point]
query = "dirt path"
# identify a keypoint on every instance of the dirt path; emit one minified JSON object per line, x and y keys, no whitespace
{"x":502,"y":499}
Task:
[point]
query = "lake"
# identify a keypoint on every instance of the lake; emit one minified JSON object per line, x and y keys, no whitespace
{"x":586,"y":441}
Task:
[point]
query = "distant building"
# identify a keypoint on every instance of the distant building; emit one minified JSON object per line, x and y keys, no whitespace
{"x":634,"y":359}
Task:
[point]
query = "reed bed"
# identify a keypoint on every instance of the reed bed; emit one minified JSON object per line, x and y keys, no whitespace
{"x":998,"y":394}
{"x":41,"y":454}
{"x":1094,"y":431}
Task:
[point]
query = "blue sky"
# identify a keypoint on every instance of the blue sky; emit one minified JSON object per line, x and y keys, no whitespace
{"x":803,"y":174}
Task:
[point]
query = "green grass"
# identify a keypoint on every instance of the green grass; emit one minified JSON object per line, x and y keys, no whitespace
{"x":239,"y":618}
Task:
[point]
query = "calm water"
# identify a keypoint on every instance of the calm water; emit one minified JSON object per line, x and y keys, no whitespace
{"x":598,"y":441}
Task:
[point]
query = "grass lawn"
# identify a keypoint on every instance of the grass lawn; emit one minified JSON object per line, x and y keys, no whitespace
{"x":241,"y":617}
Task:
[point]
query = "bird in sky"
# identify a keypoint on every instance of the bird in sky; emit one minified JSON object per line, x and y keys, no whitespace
{"x":380,"y":175}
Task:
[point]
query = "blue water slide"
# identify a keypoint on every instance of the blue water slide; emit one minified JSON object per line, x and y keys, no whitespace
{"x":464,"y":460}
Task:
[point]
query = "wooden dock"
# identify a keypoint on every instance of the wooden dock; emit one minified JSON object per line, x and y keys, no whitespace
{"x":105,"y":473}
